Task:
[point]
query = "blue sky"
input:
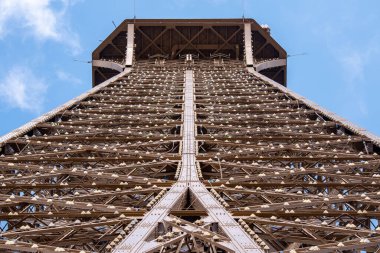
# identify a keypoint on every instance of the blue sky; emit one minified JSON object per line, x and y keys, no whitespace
{"x":40,"y":38}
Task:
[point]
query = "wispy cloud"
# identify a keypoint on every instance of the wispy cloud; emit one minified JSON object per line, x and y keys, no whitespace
{"x":39,"y":19}
{"x":67,"y":77}
{"x":353,"y":57}
{"x":354,"y":62}
{"x":23,"y":90}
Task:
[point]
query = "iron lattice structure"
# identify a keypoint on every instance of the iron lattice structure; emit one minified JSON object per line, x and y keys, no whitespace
{"x":200,"y":154}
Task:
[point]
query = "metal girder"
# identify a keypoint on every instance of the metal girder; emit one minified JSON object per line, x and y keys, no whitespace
{"x":248,"y":44}
{"x":269,"y":64}
{"x":130,"y":45}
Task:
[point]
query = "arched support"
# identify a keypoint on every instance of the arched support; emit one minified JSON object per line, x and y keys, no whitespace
{"x":108,"y":64}
{"x":270,"y":64}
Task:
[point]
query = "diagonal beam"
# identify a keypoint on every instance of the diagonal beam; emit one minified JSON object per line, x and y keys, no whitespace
{"x":187,"y":40}
{"x":152,"y":42}
{"x":191,"y":40}
{"x":227,"y":40}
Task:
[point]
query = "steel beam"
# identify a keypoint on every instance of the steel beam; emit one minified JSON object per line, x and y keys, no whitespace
{"x":270,"y":64}
{"x":130,"y":45}
{"x":108,"y":64}
{"x":248,"y":44}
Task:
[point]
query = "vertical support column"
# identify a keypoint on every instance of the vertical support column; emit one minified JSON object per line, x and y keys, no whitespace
{"x":130,"y":45}
{"x":248,"y":44}
{"x":188,"y":171}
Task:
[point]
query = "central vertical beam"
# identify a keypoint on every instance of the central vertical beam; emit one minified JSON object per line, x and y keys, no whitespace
{"x":130,"y":45}
{"x":240,"y":240}
{"x":248,"y":44}
{"x":137,"y":240}
{"x":188,"y":172}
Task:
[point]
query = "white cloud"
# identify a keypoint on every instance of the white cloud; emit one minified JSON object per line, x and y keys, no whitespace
{"x":67,"y":77}
{"x":23,"y":90}
{"x":39,"y":19}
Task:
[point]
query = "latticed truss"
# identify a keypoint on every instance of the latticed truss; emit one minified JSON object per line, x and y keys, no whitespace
{"x":294,"y":177}
{"x":89,"y":173}
{"x":191,"y":155}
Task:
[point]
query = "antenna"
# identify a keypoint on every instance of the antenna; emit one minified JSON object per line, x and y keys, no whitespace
{"x":113,"y":23}
{"x":293,"y":55}
{"x":243,"y":7}
{"x":134,"y":9}
{"x":82,"y":61}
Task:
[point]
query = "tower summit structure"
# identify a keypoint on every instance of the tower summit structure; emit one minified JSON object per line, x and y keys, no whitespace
{"x":189,"y":141}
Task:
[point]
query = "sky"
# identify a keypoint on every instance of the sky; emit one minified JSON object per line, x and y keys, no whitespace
{"x":40,"y":41}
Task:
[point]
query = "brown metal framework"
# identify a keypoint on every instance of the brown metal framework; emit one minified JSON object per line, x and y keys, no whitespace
{"x":294,"y":178}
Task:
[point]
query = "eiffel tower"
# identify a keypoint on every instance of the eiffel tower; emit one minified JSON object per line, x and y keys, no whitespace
{"x":189,"y":141}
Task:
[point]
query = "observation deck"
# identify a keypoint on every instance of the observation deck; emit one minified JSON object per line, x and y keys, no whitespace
{"x":173,"y":38}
